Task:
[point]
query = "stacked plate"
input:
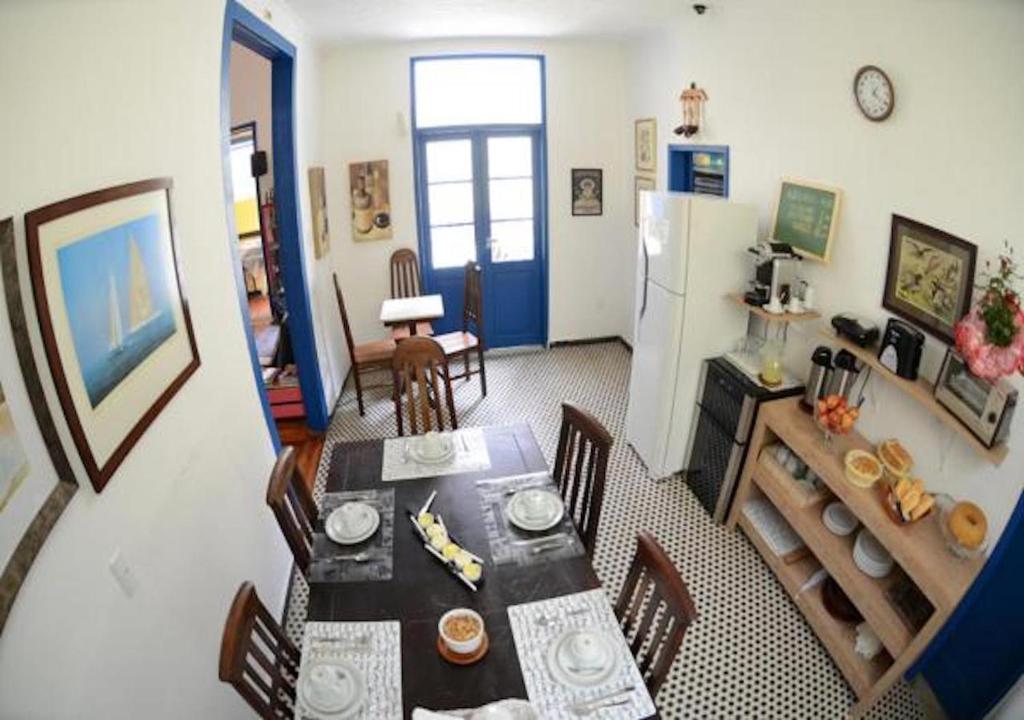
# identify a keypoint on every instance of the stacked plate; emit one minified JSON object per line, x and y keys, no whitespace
{"x":870,"y":556}
{"x":333,"y":688}
{"x":352,"y":523}
{"x":535,"y":509}
{"x":838,"y":519}
{"x":581,"y":658}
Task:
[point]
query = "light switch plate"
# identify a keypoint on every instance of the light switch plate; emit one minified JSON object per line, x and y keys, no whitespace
{"x":123,"y":574}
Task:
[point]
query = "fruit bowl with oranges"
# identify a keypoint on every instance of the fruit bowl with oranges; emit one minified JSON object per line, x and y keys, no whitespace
{"x":835,"y":416}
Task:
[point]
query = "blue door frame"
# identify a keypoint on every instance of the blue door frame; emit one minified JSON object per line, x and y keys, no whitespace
{"x":449,"y":282}
{"x":243,"y":27}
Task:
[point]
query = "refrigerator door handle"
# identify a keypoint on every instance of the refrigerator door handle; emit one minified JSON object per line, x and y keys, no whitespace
{"x":643,"y":304}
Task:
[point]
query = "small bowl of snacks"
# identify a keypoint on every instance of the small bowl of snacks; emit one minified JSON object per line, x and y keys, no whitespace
{"x":964,"y":527}
{"x":461,"y":634}
{"x":862,"y":468}
{"x":906,"y":500}
{"x":896,"y":460}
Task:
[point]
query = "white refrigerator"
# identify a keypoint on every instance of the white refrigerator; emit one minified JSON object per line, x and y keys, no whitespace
{"x":691,"y":254}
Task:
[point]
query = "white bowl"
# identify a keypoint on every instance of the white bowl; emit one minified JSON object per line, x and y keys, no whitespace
{"x":461,"y":647}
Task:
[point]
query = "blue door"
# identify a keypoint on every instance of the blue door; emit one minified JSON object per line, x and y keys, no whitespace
{"x":480,"y":198}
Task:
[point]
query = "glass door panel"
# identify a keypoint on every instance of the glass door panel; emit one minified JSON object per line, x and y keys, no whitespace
{"x":451,"y":209}
{"x":510,"y":193}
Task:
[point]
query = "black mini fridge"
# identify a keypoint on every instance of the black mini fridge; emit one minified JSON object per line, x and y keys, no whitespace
{"x":727,"y":405}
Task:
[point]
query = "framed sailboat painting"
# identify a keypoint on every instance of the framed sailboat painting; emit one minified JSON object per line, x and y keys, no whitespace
{"x":112,"y":313}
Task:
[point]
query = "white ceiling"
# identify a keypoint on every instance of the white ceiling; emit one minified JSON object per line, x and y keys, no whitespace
{"x":336,"y":21}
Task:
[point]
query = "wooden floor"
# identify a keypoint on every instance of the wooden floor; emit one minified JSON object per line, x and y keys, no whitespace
{"x":308,"y":446}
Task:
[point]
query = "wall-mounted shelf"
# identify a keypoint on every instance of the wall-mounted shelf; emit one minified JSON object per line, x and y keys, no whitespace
{"x":924,"y":393}
{"x":786,"y":317}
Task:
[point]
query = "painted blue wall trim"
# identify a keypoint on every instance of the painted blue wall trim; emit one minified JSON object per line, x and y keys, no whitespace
{"x":978,"y":654}
{"x":542,"y":178}
{"x":244,"y":27}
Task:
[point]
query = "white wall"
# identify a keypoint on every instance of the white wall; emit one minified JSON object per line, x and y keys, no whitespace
{"x":110,"y":92}
{"x":366,"y":100}
{"x":779,"y":77}
{"x":250,"y":102}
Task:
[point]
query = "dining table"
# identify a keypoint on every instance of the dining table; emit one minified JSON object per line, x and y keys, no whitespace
{"x":411,"y":311}
{"x":421,"y":589}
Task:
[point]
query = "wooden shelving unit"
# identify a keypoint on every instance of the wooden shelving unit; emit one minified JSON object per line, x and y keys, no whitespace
{"x":918,"y":549}
{"x":764,"y":314}
{"x":922,"y":392}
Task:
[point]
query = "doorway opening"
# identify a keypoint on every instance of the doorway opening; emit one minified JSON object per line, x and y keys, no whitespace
{"x":261,"y":192}
{"x":479,"y":153}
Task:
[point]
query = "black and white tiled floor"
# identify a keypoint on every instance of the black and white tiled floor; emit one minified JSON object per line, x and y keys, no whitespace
{"x":750,"y":654}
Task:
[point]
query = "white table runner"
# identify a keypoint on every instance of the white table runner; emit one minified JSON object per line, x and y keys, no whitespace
{"x":374,"y":648}
{"x":536,"y":625}
{"x":470,"y":456}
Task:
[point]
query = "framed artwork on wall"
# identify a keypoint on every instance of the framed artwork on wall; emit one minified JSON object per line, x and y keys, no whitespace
{"x":587,"y":191}
{"x":31,"y":499}
{"x":113,"y":315}
{"x":371,"y":204}
{"x":318,"y":212}
{"x":930,"y":276}
{"x":640,"y":183}
{"x":645,"y":139}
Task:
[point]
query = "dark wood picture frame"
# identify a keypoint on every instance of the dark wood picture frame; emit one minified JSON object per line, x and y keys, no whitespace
{"x":16,"y":570}
{"x":944,"y":242}
{"x":578,"y":175}
{"x":100,"y":475}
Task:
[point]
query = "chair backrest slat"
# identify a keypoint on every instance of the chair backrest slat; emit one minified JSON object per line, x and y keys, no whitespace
{"x":254,"y":652}
{"x":581,"y":466}
{"x":654,"y":596}
{"x":405,"y":274}
{"x":289,"y":498}
{"x":419,"y":369}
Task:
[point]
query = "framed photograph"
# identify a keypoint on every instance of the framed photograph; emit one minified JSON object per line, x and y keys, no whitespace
{"x":587,"y":191}
{"x":930,"y":276}
{"x":371,"y":204}
{"x":640,"y":183}
{"x":318,"y":212}
{"x":645,"y":139}
{"x":32,"y":497}
{"x":806,"y":217}
{"x":112,"y":313}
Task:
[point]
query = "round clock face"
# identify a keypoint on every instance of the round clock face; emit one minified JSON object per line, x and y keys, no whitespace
{"x":874,"y":93}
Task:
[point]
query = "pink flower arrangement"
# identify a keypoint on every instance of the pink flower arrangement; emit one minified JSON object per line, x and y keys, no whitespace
{"x":991,"y":336}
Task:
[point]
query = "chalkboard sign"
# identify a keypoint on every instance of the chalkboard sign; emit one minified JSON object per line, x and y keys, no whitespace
{"x":806,"y":216}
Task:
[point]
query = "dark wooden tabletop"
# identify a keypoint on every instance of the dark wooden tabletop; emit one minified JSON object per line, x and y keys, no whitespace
{"x":422,"y":590}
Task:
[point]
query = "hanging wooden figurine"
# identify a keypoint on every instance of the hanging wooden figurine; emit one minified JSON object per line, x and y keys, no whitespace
{"x":693,"y":99}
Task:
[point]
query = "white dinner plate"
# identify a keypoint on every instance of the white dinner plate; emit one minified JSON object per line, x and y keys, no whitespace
{"x":571,"y":671}
{"x":364,"y":524}
{"x":544,"y":515}
{"x":333,"y":687}
{"x":418,"y":450}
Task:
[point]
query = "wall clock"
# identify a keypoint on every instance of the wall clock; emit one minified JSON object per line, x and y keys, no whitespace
{"x":873,"y":90}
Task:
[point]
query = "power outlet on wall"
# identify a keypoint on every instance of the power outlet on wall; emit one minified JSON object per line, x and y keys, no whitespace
{"x":123,"y":574}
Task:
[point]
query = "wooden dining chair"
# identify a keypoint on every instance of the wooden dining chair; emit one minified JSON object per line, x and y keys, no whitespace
{"x":581,"y":464}
{"x":257,"y":658}
{"x":654,"y":610}
{"x":365,"y":357}
{"x":419,"y":365}
{"x":465,"y":342}
{"x":406,"y":282}
{"x":288,"y":496}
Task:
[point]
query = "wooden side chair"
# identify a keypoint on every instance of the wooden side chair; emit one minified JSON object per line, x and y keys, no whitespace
{"x":464,"y":342}
{"x":257,"y":658}
{"x":288,"y":496}
{"x":406,"y":282}
{"x":418,"y":367}
{"x":654,"y":610}
{"x":581,"y":464}
{"x":365,"y":357}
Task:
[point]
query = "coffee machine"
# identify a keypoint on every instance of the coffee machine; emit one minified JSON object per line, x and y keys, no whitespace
{"x":773,"y":273}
